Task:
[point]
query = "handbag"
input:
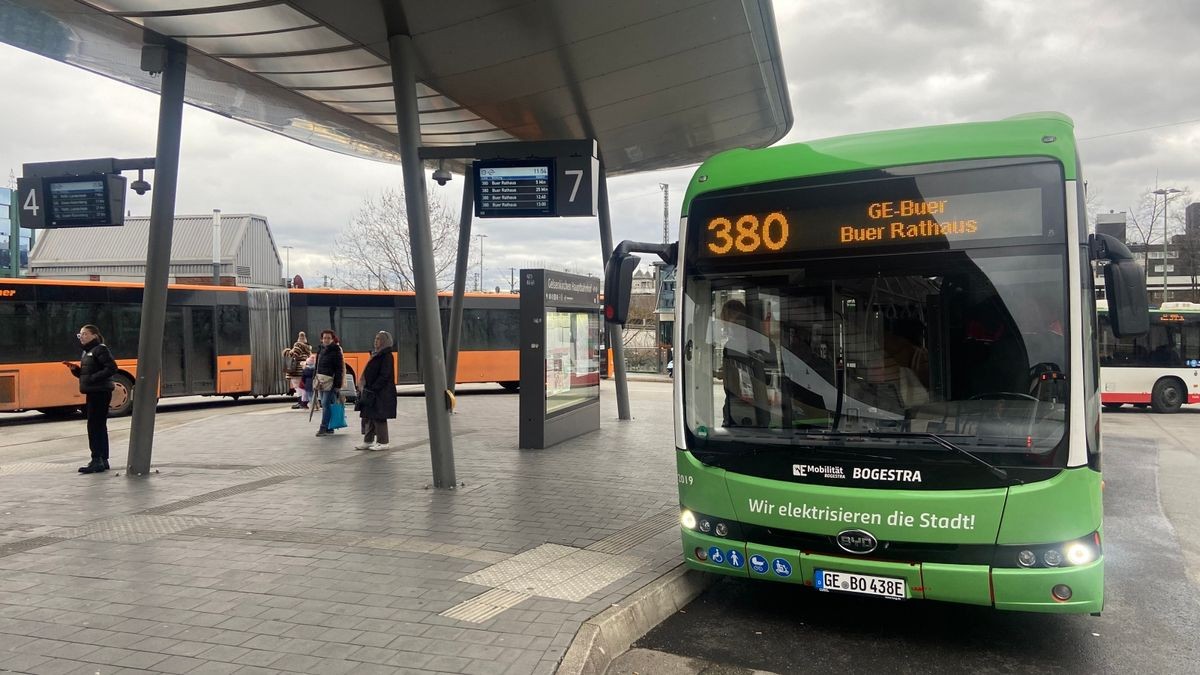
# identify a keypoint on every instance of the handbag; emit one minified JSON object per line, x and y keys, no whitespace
{"x":367,"y":398}
{"x":337,"y":415}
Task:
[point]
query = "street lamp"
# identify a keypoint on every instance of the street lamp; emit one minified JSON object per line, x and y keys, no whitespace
{"x":1166,"y":195}
{"x":481,"y":238}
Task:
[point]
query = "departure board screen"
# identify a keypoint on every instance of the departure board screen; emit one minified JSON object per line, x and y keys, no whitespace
{"x":514,"y":188}
{"x":77,"y":201}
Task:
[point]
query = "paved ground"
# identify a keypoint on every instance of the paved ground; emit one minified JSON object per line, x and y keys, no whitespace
{"x":258,"y":548}
{"x":1151,"y":622}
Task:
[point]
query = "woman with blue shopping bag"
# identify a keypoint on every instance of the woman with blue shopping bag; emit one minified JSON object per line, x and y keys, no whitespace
{"x":331,"y":371}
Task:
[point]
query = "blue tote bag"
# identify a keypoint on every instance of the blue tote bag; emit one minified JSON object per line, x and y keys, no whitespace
{"x":337,"y":415}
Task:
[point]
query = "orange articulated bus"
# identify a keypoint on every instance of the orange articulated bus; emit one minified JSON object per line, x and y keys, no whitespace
{"x":224,"y":340}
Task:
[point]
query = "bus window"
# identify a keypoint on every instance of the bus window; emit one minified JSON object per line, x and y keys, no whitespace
{"x":16,"y":326}
{"x":233,"y":330}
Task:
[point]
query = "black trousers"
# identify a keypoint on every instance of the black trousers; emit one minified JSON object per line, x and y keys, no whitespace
{"x":97,"y":423}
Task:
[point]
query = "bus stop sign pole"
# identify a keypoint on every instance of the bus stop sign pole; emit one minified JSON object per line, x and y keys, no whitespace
{"x":158,"y":251}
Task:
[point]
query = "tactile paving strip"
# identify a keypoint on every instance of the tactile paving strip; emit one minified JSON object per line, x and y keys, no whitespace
{"x":486,"y":606}
{"x":295,"y":469}
{"x":32,"y":467}
{"x":214,"y":495}
{"x":622,"y":541}
{"x":555,"y":571}
{"x":295,"y":537}
{"x":134,"y":529}
{"x":27,"y":544}
{"x":337,"y":540}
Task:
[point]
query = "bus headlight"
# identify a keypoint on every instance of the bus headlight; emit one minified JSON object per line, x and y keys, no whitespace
{"x":687,"y":519}
{"x":710,"y":525}
{"x":1070,"y":553}
{"x":1079,"y":553}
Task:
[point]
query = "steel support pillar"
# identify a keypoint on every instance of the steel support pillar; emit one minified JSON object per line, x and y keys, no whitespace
{"x":614,"y":330}
{"x":429,"y":324}
{"x":158,"y":260}
{"x":460,"y":279}
{"x":14,"y":237}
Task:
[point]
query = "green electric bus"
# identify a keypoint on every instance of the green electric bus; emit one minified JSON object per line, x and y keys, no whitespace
{"x":886,"y":369}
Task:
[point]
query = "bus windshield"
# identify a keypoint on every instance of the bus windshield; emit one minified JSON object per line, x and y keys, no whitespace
{"x":894,"y":350}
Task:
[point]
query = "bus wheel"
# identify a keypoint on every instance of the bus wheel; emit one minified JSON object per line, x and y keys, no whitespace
{"x":1167,"y":396}
{"x":60,"y":411}
{"x":512,"y":387}
{"x":122,"y":399}
{"x":1112,"y":406}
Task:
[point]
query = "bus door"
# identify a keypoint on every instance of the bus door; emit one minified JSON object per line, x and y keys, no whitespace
{"x":407,"y":352}
{"x":173,"y":381}
{"x":200,"y":354}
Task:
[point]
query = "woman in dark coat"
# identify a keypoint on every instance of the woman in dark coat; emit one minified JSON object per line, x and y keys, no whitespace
{"x":95,"y":372}
{"x":331,"y":367}
{"x":377,"y":397}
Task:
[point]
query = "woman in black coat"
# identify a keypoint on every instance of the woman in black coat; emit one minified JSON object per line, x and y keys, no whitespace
{"x":95,"y":372}
{"x":331,"y":367}
{"x":377,"y":396}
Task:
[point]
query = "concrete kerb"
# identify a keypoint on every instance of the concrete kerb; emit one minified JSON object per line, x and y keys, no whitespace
{"x":611,"y":632}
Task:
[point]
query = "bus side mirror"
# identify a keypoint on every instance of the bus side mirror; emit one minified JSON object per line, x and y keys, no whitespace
{"x":1125,"y":287}
{"x":618,"y":284}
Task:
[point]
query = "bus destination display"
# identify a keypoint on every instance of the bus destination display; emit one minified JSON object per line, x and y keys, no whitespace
{"x":954,"y":218}
{"x":514,"y":188}
{"x":77,"y":201}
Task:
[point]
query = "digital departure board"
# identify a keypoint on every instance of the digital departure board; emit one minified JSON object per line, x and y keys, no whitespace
{"x":514,"y":188}
{"x":77,"y":201}
{"x":950,"y":210}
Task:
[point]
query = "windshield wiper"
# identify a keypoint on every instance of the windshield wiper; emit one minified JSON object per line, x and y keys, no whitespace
{"x":952,"y":447}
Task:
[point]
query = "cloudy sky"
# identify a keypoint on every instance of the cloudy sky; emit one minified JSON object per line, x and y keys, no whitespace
{"x":1126,"y":72}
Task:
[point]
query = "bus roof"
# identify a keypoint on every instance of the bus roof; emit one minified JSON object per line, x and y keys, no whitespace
{"x":1046,"y":134}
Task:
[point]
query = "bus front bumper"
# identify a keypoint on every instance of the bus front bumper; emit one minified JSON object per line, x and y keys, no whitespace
{"x":1028,"y":590}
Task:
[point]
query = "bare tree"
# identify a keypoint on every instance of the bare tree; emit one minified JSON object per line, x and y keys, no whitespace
{"x":375,"y":250}
{"x":1091,"y":205}
{"x":1146,"y":219}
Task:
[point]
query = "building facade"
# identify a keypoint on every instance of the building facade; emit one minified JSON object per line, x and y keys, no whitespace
{"x":1172,"y":269}
{"x":247,"y":252}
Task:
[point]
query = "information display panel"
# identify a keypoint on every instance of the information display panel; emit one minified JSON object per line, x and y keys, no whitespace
{"x":560,"y":357}
{"x":88,"y":200}
{"x":991,"y":206}
{"x":76,"y":201}
{"x":514,"y":188}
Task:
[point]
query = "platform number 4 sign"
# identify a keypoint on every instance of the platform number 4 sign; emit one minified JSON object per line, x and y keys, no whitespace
{"x":30,"y":199}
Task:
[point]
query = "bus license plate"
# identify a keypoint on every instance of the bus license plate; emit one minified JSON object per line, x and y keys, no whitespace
{"x":863,"y":584}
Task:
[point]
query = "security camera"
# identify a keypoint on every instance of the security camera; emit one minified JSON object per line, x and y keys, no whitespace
{"x":140,"y":185}
{"x":442,"y":176}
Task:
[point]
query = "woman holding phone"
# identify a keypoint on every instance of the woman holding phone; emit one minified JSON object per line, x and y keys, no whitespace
{"x":95,"y":372}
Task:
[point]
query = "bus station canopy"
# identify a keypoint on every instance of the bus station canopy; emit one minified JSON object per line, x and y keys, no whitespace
{"x":658,"y":84}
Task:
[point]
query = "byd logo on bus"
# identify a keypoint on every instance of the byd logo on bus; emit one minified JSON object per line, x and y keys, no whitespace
{"x":858,"y":542}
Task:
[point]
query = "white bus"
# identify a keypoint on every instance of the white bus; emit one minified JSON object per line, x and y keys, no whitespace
{"x":1160,"y":369}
